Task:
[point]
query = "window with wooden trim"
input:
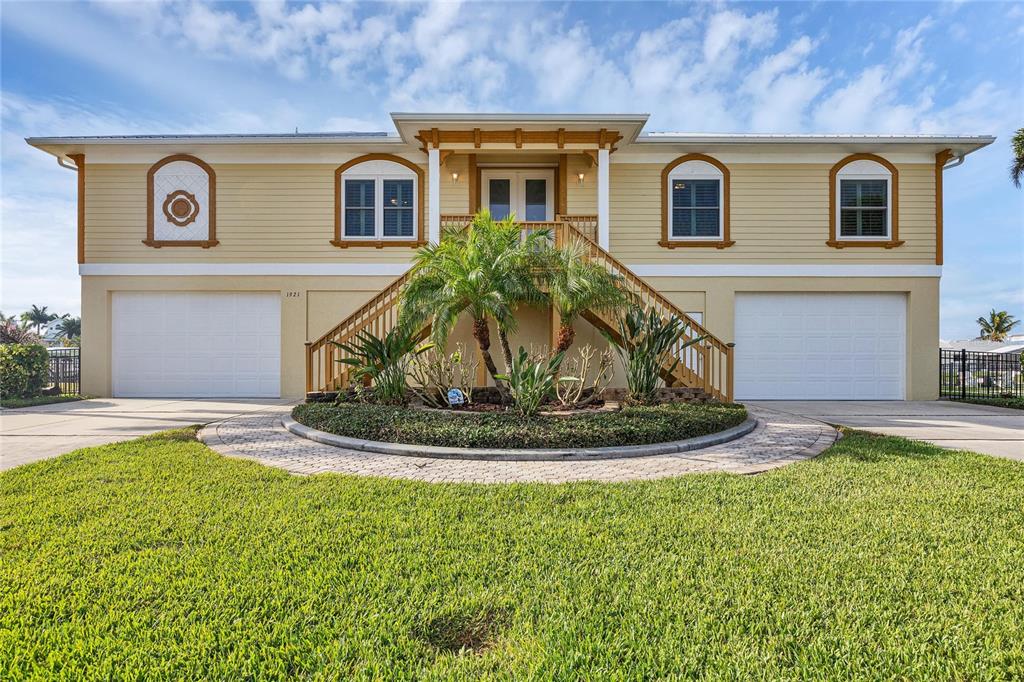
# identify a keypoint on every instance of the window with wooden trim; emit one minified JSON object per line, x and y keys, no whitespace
{"x":695,"y":203}
{"x":863,"y":205}
{"x":378,"y":205}
{"x":378,"y":202}
{"x":696,"y":207}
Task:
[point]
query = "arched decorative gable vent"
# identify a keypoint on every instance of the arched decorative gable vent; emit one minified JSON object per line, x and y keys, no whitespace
{"x":181,"y":207}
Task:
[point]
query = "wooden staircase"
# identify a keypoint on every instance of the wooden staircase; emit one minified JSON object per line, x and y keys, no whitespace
{"x":707,"y":365}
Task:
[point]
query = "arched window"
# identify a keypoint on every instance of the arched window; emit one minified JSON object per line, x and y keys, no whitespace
{"x":181,"y":204}
{"x":695,"y":203}
{"x":864,"y":202}
{"x":378,"y":202}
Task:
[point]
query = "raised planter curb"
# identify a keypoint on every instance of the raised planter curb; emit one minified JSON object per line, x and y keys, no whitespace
{"x":500,"y":454}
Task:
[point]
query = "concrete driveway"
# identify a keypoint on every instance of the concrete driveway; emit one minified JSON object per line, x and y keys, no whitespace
{"x":995,"y":431}
{"x":29,"y":434}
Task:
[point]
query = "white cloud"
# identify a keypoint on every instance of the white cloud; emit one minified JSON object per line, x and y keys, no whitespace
{"x":277,"y":66}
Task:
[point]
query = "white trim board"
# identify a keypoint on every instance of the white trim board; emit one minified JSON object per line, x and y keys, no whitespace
{"x":395,"y":269}
{"x":250,"y":269}
{"x":750,"y":270}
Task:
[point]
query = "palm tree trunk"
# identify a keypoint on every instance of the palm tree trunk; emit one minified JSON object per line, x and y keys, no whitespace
{"x":506,"y":350}
{"x":483,"y":338}
{"x":566,"y":335}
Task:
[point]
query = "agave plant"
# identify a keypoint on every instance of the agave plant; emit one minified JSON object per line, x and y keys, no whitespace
{"x":531,"y":381}
{"x":647,"y":344}
{"x":384,"y":362}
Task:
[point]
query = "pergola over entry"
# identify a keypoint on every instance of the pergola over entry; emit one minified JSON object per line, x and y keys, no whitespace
{"x":440,"y":135}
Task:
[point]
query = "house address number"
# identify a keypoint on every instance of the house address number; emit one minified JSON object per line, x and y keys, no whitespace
{"x":293,"y":294}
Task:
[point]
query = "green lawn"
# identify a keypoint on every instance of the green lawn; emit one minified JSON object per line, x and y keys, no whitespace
{"x":158,"y":559}
{"x":14,"y":403}
{"x":1014,"y":403}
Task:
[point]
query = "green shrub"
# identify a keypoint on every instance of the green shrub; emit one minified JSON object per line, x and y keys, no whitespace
{"x":531,"y":380}
{"x":383,"y":361}
{"x":645,"y":344}
{"x":24,"y":369}
{"x":630,"y":426}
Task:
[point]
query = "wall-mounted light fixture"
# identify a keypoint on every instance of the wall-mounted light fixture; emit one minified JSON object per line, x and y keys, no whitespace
{"x":455,"y":177}
{"x":579,"y":178}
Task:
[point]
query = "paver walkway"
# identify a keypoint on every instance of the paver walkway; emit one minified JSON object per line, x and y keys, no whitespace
{"x":778,"y":440}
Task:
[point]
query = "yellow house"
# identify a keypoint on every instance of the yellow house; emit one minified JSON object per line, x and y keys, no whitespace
{"x":222,"y":265}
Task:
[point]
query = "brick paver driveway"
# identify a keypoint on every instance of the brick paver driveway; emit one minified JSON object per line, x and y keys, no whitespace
{"x":778,"y":440}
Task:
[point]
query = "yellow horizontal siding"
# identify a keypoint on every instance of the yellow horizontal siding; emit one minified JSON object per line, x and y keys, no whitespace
{"x":778,"y":214}
{"x":285,"y":213}
{"x":265,"y":213}
{"x":581,"y":199}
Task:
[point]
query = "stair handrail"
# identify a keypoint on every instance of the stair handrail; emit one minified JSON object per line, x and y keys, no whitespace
{"x":724,"y":388}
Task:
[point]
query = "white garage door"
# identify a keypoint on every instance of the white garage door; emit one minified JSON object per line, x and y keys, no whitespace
{"x":820,"y":346}
{"x":196,"y":344}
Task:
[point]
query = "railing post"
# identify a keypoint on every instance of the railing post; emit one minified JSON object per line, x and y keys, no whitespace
{"x":729,"y":371}
{"x":963,"y":374}
{"x":309,"y":368}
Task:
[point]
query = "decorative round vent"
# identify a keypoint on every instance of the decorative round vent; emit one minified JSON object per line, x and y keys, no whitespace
{"x":181,"y":208}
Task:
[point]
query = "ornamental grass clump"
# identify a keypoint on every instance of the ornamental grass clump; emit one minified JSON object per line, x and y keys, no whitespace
{"x":647,"y":344}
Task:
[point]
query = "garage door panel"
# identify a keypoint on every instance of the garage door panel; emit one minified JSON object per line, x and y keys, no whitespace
{"x":820,"y":346}
{"x":196,"y":344}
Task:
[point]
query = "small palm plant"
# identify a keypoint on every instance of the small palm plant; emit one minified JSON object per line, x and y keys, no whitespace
{"x":648,"y":344}
{"x":531,"y":381}
{"x":576,"y":284}
{"x":484,"y":271}
{"x":998,"y":325}
{"x":384,"y":362}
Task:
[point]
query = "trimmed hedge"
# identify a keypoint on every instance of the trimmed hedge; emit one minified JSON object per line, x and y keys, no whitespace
{"x":24,"y":369}
{"x":631,"y":426}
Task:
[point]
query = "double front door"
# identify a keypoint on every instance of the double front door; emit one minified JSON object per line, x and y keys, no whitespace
{"x":528,"y":193}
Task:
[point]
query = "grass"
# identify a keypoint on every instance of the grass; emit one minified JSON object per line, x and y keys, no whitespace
{"x":1013,"y":403}
{"x":157,"y":559}
{"x":631,"y":426}
{"x":15,"y":403}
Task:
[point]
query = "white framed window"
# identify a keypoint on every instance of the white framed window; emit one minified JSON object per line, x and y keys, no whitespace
{"x":864,"y":209}
{"x":696,"y":194}
{"x":378,"y":202}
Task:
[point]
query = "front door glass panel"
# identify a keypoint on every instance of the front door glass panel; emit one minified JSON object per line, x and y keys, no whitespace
{"x":536,"y":199}
{"x":499,"y":191}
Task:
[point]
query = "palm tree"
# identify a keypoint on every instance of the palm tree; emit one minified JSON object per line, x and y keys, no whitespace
{"x":38,"y":317}
{"x":577,"y":284}
{"x":69,"y":327}
{"x":997,"y":326}
{"x":1017,"y":166}
{"x":485,"y":271}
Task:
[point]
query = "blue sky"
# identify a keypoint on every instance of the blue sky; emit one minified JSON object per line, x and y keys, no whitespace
{"x":152,"y":67}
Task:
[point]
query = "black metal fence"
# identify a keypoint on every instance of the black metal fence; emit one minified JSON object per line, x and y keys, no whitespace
{"x":971,"y":374}
{"x":65,"y":369}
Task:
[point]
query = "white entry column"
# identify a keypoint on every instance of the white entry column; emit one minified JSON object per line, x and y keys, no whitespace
{"x":434,"y":182}
{"x":602,"y":198}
